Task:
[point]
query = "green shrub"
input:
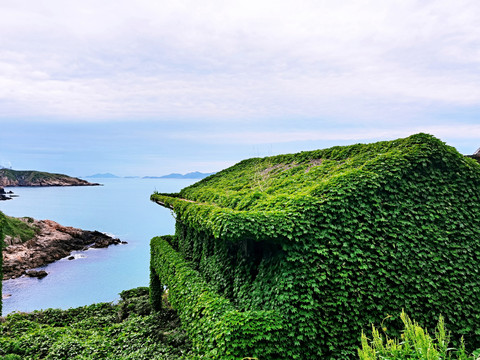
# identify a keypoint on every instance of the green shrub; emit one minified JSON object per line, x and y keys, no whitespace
{"x":10,"y":357}
{"x":415,"y":343}
{"x":334,"y":239}
{"x":99,"y":331}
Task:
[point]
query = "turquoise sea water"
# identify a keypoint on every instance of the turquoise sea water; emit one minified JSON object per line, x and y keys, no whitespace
{"x":122,"y":208}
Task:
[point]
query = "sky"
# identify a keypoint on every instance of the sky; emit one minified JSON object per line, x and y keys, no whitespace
{"x":151,"y":87}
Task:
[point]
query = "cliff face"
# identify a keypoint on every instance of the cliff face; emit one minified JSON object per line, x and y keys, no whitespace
{"x":10,"y":177}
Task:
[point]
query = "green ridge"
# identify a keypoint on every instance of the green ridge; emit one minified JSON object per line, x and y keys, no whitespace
{"x":36,"y":178}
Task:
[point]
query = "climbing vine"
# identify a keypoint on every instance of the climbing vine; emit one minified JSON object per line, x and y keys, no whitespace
{"x":337,"y":239}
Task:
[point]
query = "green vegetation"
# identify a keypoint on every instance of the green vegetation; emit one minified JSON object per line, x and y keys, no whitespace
{"x":415,"y":343}
{"x":328,"y":241}
{"x":216,"y":328}
{"x":128,"y":330}
{"x":16,"y":228}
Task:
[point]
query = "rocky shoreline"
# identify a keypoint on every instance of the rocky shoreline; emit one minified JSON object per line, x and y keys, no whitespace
{"x":52,"y":242}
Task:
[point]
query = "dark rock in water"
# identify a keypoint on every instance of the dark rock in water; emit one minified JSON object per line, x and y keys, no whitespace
{"x":71,"y":258}
{"x":36,"y":273}
{"x":3,"y":195}
{"x":102,"y":241}
{"x":124,"y":242}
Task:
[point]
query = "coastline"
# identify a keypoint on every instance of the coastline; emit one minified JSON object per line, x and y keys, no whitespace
{"x":50,"y":243}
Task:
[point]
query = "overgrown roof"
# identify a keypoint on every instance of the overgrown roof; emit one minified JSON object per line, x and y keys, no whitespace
{"x":261,"y":190}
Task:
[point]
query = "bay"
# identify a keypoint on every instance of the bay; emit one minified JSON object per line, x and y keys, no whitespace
{"x":122,"y":208}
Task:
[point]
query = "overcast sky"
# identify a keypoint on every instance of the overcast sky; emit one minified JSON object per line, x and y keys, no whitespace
{"x":150,"y":87}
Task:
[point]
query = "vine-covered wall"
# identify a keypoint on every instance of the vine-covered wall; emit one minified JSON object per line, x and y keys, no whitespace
{"x":334,"y":240}
{"x":216,"y":328}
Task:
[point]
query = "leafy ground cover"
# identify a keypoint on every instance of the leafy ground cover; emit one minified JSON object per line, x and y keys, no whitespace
{"x":127,"y":330}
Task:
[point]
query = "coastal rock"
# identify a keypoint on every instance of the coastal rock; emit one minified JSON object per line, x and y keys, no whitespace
{"x":52,"y":242}
{"x":36,"y":273}
{"x":3,"y":194}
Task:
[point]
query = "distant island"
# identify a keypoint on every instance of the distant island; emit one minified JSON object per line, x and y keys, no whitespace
{"x":191,"y":175}
{"x":103,"y":176}
{"x":9,"y":177}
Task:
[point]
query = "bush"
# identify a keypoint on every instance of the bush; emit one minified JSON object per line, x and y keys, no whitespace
{"x":99,"y":331}
{"x":415,"y":343}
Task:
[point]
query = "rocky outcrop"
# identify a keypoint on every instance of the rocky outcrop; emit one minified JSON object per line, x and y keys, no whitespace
{"x":3,"y":195}
{"x":36,"y":273}
{"x":9,"y":177}
{"x":52,"y":242}
{"x":476,"y":155}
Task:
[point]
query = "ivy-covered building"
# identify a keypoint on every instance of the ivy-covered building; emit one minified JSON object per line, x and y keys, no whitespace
{"x":292,"y":256}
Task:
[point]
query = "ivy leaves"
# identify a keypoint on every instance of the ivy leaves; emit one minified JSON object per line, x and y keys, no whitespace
{"x":336,"y":239}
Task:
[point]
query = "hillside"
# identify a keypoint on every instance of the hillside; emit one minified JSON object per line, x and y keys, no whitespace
{"x":16,"y":229}
{"x":9,"y":177}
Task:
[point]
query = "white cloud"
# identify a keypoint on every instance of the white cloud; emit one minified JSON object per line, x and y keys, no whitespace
{"x":246,"y":59}
{"x":279,"y":136}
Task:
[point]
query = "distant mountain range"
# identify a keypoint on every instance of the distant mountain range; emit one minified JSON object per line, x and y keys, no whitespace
{"x":191,"y":175}
{"x":102,"y":176}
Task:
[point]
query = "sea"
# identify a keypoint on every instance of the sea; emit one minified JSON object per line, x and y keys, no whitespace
{"x":121,"y":207}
